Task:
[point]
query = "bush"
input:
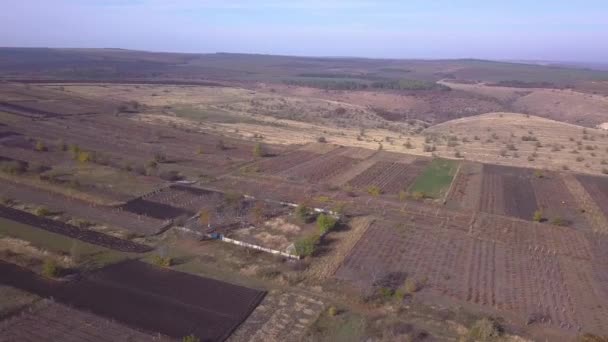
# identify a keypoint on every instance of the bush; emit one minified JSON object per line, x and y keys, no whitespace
{"x":538,"y":216}
{"x":220,"y":145}
{"x":190,"y":338}
{"x":40,"y":146}
{"x":259,"y":150}
{"x":374,"y":190}
{"x":558,"y":221}
{"x":410,"y":286}
{"x":302,"y":213}
{"x":321,"y":140}
{"x":162,"y":261}
{"x":592,"y":338}
{"x":484,"y":330}
{"x":332,"y":311}
{"x":50,"y":269}
{"x":306,"y":246}
{"x":325,"y":223}
{"x":171,"y":175}
{"x":13,"y":167}
{"x":42,"y":211}
{"x":418,"y":195}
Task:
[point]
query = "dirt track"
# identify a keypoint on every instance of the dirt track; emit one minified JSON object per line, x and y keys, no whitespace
{"x":152,"y":299}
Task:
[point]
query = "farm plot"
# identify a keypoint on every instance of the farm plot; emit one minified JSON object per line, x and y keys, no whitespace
{"x":507,"y":191}
{"x":389,"y":177}
{"x":466,"y":187}
{"x":320,"y":168}
{"x":58,"y":227}
{"x":557,"y":203}
{"x":82,"y":209}
{"x":597,"y":187}
{"x":435,"y":179}
{"x":275,"y":165}
{"x":280,"y":317}
{"x":129,"y":292}
{"x":51,"y":321}
{"x":526,"y":275}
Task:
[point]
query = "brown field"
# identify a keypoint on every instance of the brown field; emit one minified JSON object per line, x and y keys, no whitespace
{"x":516,"y":272}
{"x":389,"y":177}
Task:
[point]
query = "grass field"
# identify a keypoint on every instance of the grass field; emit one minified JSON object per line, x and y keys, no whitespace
{"x":90,"y":255}
{"x":435,"y":179}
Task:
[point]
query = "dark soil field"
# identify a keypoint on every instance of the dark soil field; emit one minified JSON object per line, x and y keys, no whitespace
{"x":597,"y":187}
{"x":72,"y":231}
{"x":52,"y":321}
{"x":148,"y":298}
{"x":389,"y":177}
{"x":508,"y":191}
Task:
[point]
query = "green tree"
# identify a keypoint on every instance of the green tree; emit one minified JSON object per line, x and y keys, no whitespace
{"x":325,"y":223}
{"x":302,"y":213}
{"x":306,"y":246}
{"x":190,"y":338}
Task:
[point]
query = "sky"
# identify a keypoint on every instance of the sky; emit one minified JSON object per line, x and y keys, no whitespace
{"x":556,"y":30}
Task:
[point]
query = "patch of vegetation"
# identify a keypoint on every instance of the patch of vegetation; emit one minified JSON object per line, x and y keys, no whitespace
{"x":538,"y":216}
{"x":13,"y":167}
{"x":162,"y":261}
{"x":40,"y":146}
{"x":259,"y":150}
{"x":484,"y":330}
{"x":325,"y":223}
{"x":374,"y":190}
{"x":50,"y":269}
{"x":307,"y":246}
{"x":302,"y":213}
{"x":435,"y":179}
{"x":190,"y":338}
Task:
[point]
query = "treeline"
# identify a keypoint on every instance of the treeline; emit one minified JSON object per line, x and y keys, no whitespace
{"x":354,"y":85}
{"x":524,"y":84}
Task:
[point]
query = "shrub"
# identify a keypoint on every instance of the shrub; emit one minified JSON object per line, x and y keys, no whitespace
{"x":40,"y":146}
{"x":418,"y":195}
{"x":13,"y":167}
{"x":374,"y":190}
{"x":538,"y":174}
{"x":321,"y":140}
{"x":410,"y":286}
{"x":538,"y":216}
{"x":302,"y":213}
{"x":190,"y":338}
{"x":50,"y":269}
{"x":402,"y":195}
{"x":259,"y":150}
{"x":558,"y":221}
{"x":42,"y":211}
{"x":484,"y":330}
{"x":160,"y":157}
{"x":171,"y":175}
{"x":332,"y":311}
{"x":162,"y":261}
{"x":306,"y":246}
{"x":429,"y":148}
{"x":325,"y":223}
{"x":592,"y":338}
{"x":220,"y":145}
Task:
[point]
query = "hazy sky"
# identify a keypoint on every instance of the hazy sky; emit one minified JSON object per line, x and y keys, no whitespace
{"x":506,"y":29}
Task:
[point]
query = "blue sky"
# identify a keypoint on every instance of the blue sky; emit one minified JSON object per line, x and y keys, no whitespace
{"x":509,"y":29}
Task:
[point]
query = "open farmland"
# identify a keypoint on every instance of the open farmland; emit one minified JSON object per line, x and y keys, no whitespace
{"x":130,"y":291}
{"x":435,"y":179}
{"x":51,"y":321}
{"x":89,"y":236}
{"x":508,"y":191}
{"x":525,"y":282}
{"x":389,"y":177}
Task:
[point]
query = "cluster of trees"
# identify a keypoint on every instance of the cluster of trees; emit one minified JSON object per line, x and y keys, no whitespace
{"x":403,"y":84}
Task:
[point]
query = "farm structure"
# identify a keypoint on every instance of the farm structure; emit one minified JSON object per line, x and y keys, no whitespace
{"x":531,"y":273}
{"x":128,"y":292}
